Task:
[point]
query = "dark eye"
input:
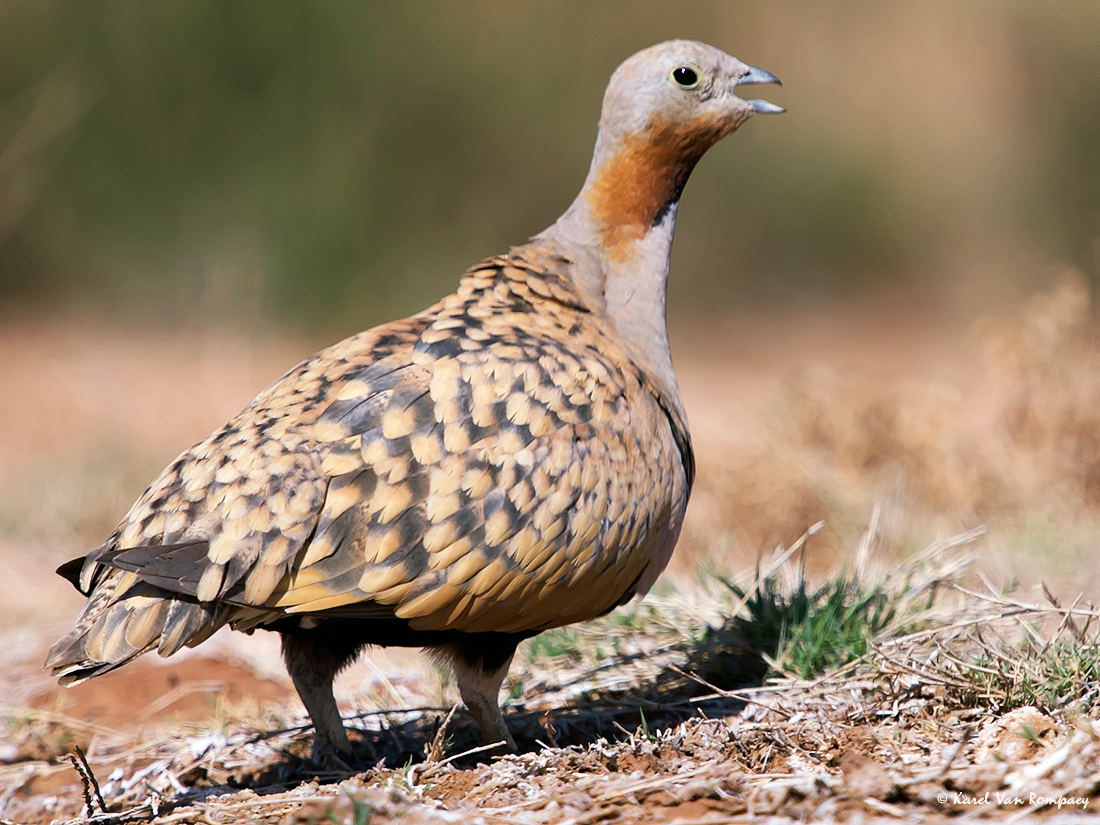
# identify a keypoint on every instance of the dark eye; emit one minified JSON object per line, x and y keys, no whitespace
{"x":685,"y":77}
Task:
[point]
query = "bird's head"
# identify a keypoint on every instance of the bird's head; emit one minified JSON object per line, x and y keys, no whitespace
{"x":664,"y":108}
{"x":681,"y":87}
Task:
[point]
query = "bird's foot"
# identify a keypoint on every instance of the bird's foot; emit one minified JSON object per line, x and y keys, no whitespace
{"x":499,"y":733}
{"x":493,"y":729}
{"x":328,"y":759}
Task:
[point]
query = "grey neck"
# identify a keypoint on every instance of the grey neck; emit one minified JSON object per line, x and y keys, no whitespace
{"x":628,"y":289}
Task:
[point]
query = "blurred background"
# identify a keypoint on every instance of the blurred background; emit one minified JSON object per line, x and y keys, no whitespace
{"x":881,"y":299}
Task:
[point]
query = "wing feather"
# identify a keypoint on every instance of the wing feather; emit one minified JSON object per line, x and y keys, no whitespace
{"x":508,"y":512}
{"x":477,"y":467}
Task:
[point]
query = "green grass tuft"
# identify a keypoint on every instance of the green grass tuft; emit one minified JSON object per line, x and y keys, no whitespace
{"x":561,"y":643}
{"x":1063,"y":677}
{"x":803,"y":632}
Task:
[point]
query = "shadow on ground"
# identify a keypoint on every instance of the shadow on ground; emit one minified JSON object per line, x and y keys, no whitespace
{"x":691,"y":684}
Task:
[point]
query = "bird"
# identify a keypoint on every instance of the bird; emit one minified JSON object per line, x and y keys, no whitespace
{"x":512,"y":459}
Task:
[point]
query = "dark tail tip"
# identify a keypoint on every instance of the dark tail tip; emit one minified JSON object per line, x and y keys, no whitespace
{"x":70,"y":571}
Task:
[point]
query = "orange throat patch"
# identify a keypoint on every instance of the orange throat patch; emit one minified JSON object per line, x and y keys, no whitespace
{"x":644,"y":177}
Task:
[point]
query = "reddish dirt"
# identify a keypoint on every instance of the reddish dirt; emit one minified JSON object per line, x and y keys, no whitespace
{"x":453,"y":786}
{"x":145,"y":691}
{"x":141,"y":695}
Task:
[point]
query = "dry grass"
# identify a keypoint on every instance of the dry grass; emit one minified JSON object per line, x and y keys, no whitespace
{"x":924,"y":723}
{"x":993,"y":423}
{"x":639,"y":715}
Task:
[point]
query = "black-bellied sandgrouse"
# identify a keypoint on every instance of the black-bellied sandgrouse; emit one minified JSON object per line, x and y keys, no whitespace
{"x":512,"y":459}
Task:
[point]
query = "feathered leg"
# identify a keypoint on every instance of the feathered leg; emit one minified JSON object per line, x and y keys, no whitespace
{"x":313,"y":667}
{"x":480,"y":667}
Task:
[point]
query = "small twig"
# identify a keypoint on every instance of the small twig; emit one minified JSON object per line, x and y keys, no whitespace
{"x":948,"y":760}
{"x":924,"y":674}
{"x":778,"y":668}
{"x":943,"y":651}
{"x":623,"y":730}
{"x":1067,"y":620}
{"x":59,"y":718}
{"x":93,"y":796}
{"x":939,"y":630}
{"x":431,"y":769}
{"x":863,"y":553}
{"x":619,"y":661}
{"x":884,"y":807}
{"x":659,"y":781}
{"x":953,"y":754}
{"x":202,"y":810}
{"x":1017,"y":665}
{"x":155,"y":707}
{"x":777,"y":563}
{"x":937,"y":547}
{"x":1024,"y":607}
{"x":435,"y":750}
{"x":742,"y":696}
{"x":271,"y":734}
{"x":548,"y":726}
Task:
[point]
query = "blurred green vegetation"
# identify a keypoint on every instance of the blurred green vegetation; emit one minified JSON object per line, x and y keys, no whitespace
{"x":338,"y":163}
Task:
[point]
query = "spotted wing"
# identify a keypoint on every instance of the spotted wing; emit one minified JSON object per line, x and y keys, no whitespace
{"x":221,"y":526}
{"x":506,"y":479}
{"x":488,"y":465}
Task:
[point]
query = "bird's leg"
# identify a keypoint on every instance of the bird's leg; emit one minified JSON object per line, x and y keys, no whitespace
{"x":312,"y":668}
{"x":480,"y":691}
{"x":480,"y":670}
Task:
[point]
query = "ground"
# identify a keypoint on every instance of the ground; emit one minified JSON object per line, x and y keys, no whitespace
{"x":921,"y":427}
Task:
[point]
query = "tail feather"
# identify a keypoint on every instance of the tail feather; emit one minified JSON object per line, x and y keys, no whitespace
{"x":188,"y":624}
{"x":72,"y":666}
{"x":124,"y":618}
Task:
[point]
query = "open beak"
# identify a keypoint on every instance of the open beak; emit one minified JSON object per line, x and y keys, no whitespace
{"x":755,"y":77}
